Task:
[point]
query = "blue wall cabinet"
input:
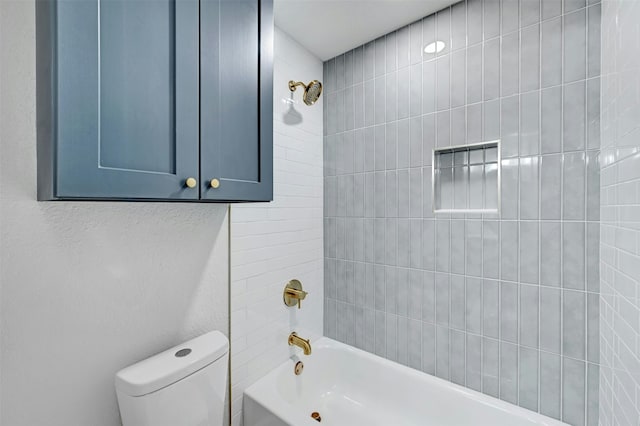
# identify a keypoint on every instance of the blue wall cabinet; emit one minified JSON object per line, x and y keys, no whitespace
{"x":155,"y":100}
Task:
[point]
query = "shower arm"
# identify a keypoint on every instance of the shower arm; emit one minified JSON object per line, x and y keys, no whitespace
{"x":293,"y":85}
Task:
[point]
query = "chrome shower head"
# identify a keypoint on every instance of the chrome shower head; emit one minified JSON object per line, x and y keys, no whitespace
{"x":312,"y":91}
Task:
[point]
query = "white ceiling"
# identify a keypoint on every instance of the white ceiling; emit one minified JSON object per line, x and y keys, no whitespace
{"x":331,"y":27}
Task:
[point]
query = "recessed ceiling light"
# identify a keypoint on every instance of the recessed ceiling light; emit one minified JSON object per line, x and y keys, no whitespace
{"x":435,"y":47}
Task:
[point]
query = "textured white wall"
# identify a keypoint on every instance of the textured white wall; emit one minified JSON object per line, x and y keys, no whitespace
{"x":88,"y":288}
{"x":273,"y":243}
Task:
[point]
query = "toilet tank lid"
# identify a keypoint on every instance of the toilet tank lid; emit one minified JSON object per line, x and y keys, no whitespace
{"x":172,"y":365}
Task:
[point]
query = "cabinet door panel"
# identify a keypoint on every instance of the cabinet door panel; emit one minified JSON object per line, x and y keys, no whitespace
{"x":236,"y":128}
{"x":127,"y":98}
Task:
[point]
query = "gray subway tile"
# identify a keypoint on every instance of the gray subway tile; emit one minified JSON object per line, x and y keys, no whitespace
{"x":573,"y":324}
{"x":509,"y":372}
{"x":443,"y":298}
{"x":474,"y":22}
{"x":415,"y":259}
{"x":574,"y":119}
{"x":551,"y":8}
{"x":491,"y":249}
{"x":458,"y":246}
{"x":491,"y":18}
{"x":380,"y":100}
{"x":573,"y":255}
{"x":458,"y":77}
{"x":392,"y":241}
{"x":550,"y":256}
{"x":490,"y":367}
{"x":551,"y":120}
{"x":340,"y":71}
{"x":491,"y":69}
{"x":528,"y":379}
{"x":457,"y":357}
{"x":510,"y":117}
{"x":415,"y":95}
{"x":529,"y":246}
{"x":510,"y":69}
{"x":369,"y":103}
{"x":404,"y":143}
{"x":509,"y":250}
{"x":442,"y":352}
{"x":443,"y":244}
{"x":474,"y":73}
{"x":473,"y":241}
{"x":429,"y":298}
{"x":458,"y":26}
{"x":529,"y":124}
{"x":473,"y":305}
{"x":443,"y":92}
{"x":510,"y":16}
{"x":404,"y":242}
{"x":415,"y":42}
{"x":529,"y":181}
{"x":458,"y":308}
{"x":428,"y":35}
{"x":380,"y":60}
{"x":428,"y":87}
{"x":428,"y":138}
{"x":550,"y":319}
{"x":573,"y":379}
{"x":574,"y":186}
{"x":402,"y":41}
{"x":428,"y":244}
{"x":404,"y":92}
{"x":550,"y":190}
{"x":429,"y":348}
{"x":530,"y":55}
{"x":474,"y":362}
{"x":443,"y":29}
{"x":594,"y":55}
{"x":550,"y":384}
{"x":593,"y":257}
{"x":509,"y":312}
{"x":551,"y":50}
{"x":593,"y":113}
{"x":574,"y":32}
{"x":490,"y":310}
{"x":369,"y":60}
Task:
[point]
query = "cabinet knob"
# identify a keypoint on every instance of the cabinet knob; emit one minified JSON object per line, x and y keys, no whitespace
{"x":191,"y":182}
{"x":215,"y":183}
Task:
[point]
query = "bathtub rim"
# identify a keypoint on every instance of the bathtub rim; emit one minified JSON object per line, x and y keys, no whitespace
{"x":261,"y":392}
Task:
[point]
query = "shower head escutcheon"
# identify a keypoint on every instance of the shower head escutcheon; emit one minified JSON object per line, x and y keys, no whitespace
{"x":312,"y":91}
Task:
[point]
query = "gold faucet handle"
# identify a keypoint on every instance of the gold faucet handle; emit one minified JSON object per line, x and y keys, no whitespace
{"x":293,"y":293}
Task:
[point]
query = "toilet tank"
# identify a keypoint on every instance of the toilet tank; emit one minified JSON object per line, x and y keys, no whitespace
{"x":184,"y":385}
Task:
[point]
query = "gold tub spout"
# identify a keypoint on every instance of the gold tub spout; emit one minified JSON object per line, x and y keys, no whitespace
{"x":295,"y":340}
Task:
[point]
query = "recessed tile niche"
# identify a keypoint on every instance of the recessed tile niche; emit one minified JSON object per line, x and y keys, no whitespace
{"x":466,"y":178}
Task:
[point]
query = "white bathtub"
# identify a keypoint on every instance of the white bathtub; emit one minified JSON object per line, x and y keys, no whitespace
{"x":347,"y":386}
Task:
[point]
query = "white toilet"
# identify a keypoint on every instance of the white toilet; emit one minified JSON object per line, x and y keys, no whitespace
{"x":182,"y":386}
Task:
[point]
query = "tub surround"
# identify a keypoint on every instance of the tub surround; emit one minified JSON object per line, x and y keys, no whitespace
{"x":503,"y":304}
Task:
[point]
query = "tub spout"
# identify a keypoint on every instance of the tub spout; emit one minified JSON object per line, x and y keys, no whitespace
{"x":294,"y":339}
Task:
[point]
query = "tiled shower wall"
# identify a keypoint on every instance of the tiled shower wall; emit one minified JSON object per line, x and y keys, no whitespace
{"x":620,"y":227}
{"x":504,"y":304}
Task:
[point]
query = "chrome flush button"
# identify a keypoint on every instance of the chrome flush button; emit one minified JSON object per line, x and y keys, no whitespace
{"x":183,"y":352}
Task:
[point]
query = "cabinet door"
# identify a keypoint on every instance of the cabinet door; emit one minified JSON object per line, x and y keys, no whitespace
{"x":236,"y":99}
{"x":127,"y":99}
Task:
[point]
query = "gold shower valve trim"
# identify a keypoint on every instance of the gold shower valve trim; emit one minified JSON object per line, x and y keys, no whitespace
{"x":293,"y":293}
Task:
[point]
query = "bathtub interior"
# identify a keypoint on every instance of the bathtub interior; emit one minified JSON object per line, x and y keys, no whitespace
{"x":349,"y":386}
